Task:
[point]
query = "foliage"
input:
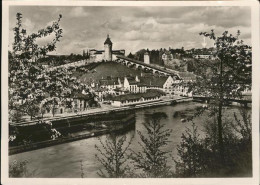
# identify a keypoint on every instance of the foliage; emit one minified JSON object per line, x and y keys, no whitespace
{"x":200,"y":157}
{"x":130,"y":55}
{"x":113,"y":156}
{"x":152,"y":159}
{"x":191,"y":163}
{"x":225,"y":78}
{"x":244,"y":126}
{"x":30,"y":107}
{"x":39,"y":88}
{"x":24,"y":70}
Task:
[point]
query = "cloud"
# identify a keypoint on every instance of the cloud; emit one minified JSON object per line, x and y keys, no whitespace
{"x":78,"y":12}
{"x":134,"y":28}
{"x":28,"y":25}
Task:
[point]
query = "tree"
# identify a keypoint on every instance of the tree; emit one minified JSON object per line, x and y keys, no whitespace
{"x":199,"y":156}
{"x":31,"y":108}
{"x":130,"y":55}
{"x":113,"y":156}
{"x":29,"y":80}
{"x":24,"y":68}
{"x":229,"y":76}
{"x":191,"y":155}
{"x":152,"y":159}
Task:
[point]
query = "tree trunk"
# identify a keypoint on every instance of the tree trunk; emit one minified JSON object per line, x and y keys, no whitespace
{"x":220,"y":105}
{"x":220,"y":132}
{"x":53,"y":108}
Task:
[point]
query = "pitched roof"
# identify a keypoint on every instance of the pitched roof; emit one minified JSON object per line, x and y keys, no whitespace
{"x":108,"y":41}
{"x":131,"y":80}
{"x":137,"y":96}
{"x":112,"y":81}
{"x":187,"y":76}
{"x":82,"y":96}
{"x":153,"y":81}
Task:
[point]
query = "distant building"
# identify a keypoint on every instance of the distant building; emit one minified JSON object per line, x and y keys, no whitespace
{"x":204,"y":57}
{"x":107,"y":54}
{"x":181,"y":87}
{"x":167,"y":56}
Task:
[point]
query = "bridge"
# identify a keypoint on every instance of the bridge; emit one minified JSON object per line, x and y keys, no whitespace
{"x":100,"y":112}
{"x":146,"y":67}
{"x":245,"y":100}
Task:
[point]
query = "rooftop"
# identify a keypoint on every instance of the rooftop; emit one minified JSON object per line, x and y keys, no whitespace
{"x":153,"y":81}
{"x":109,"y":81}
{"x":108,"y":41}
{"x":187,"y":76}
{"x":137,"y":96}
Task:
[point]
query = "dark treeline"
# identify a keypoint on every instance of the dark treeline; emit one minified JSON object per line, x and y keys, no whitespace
{"x":156,"y":55}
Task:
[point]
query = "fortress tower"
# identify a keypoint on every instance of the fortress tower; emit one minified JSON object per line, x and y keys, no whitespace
{"x":108,"y":49}
{"x":146,"y":58}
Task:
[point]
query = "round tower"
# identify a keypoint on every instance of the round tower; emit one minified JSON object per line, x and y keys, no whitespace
{"x":146,"y":58}
{"x":108,"y":49}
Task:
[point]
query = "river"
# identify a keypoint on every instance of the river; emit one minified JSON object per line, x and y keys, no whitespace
{"x":64,"y":160}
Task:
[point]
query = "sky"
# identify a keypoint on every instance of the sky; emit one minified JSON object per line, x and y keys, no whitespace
{"x":132,"y":28}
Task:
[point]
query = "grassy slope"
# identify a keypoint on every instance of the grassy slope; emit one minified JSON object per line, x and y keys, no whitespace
{"x":108,"y":69}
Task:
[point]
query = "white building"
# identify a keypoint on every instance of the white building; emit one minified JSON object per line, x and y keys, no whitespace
{"x":146,"y":58}
{"x":204,"y":57}
{"x":142,"y":84}
{"x":137,"y":98}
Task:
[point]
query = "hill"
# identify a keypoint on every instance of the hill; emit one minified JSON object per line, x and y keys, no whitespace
{"x":105,"y":69}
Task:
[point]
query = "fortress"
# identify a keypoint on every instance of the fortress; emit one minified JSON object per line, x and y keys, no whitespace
{"x":107,"y":54}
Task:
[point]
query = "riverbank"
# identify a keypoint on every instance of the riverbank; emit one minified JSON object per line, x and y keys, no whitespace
{"x":106,"y":110}
{"x":85,"y":121}
{"x":106,"y":127}
{"x":64,"y":160}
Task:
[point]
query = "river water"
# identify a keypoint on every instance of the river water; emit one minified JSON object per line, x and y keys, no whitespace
{"x":64,"y":160}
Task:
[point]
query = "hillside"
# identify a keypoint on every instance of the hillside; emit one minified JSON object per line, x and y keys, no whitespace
{"x":105,"y":69}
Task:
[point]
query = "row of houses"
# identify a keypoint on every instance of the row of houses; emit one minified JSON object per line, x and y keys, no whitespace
{"x":110,"y":87}
{"x":137,"y":98}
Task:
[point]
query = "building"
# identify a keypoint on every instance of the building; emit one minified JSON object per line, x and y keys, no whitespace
{"x":108,"y":49}
{"x":108,"y":54}
{"x":138,"y":98}
{"x":181,"y":87}
{"x":142,"y":84}
{"x":146,"y":58}
{"x":204,"y":57}
{"x":167,"y":56}
{"x":110,"y":83}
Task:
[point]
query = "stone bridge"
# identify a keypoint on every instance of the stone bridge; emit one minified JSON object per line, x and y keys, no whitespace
{"x":146,"y":67}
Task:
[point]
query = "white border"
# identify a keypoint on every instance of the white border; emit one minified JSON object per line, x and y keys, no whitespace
{"x":57,"y":181}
